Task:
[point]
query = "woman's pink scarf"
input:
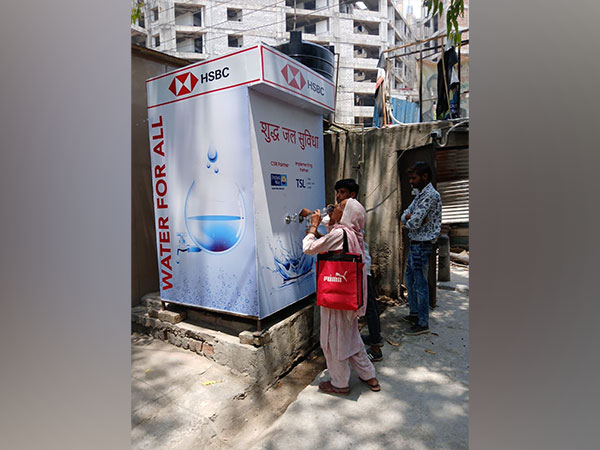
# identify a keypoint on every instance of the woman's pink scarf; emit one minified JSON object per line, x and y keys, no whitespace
{"x":353,"y":222}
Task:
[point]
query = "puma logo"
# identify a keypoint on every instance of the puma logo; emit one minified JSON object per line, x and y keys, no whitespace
{"x":342,"y":276}
{"x":337,"y":279}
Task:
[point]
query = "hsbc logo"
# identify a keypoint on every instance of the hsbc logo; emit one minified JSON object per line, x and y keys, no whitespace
{"x":183,"y":84}
{"x":293,"y":77}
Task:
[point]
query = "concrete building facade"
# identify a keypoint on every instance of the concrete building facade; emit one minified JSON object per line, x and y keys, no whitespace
{"x":358,"y":30}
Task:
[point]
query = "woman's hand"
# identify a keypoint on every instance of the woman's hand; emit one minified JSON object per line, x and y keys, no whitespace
{"x":315,"y":219}
{"x":305,"y":212}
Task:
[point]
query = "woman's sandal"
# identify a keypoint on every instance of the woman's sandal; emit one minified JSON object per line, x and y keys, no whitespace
{"x":326,"y":386}
{"x":374,"y":388}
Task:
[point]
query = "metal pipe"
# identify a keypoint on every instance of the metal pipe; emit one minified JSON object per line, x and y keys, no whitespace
{"x":337,"y":74}
{"x":420,"y":84}
{"x":458,"y":81}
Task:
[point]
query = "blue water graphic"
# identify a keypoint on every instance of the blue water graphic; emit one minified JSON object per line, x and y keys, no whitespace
{"x":214,"y":209}
{"x":215,"y":218}
{"x":293,"y":265}
{"x":216,"y":233}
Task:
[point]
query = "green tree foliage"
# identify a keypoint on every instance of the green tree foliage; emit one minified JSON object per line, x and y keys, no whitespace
{"x":455,"y":9}
{"x":136,"y":11}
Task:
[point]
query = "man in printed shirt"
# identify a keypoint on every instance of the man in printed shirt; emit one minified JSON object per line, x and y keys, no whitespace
{"x":423,"y":219}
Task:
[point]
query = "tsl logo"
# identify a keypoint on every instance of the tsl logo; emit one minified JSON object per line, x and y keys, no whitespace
{"x":278,"y":179}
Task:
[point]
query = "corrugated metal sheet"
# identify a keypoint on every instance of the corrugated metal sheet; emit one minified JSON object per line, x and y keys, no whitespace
{"x":455,"y":201}
{"x":452,"y":173}
{"x":452,"y":165}
{"x":405,"y":111}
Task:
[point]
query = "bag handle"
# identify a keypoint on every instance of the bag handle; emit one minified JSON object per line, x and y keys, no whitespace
{"x":345,"y":245}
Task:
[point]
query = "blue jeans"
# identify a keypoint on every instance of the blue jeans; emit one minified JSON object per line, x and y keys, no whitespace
{"x":416,"y":280}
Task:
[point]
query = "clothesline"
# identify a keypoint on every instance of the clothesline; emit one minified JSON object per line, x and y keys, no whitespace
{"x":433,"y":38}
{"x":464,"y":42}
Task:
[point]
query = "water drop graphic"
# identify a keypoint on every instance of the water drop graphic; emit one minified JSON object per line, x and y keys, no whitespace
{"x":208,"y":165}
{"x":216,"y":170}
{"x":212,"y":154}
{"x":215,"y":214}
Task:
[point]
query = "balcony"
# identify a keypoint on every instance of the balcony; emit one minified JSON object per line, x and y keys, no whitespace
{"x":365,"y":56}
{"x":190,"y":46}
{"x":138,"y":32}
{"x":310,"y":6}
{"x":317,"y":26}
{"x":364,"y":88}
{"x":188,"y":18}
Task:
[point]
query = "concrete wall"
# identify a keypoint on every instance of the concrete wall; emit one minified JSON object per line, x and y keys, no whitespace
{"x":186,"y":46}
{"x":383,"y":187}
{"x":263,"y":356}
{"x":144,"y":267}
{"x":185,"y":19}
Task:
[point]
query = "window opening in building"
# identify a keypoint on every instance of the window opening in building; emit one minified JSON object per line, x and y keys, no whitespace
{"x":366,"y":51}
{"x":364,"y":100}
{"x":307,"y":24}
{"x":367,"y":121}
{"x":310,"y":29}
{"x":234,"y":41}
{"x":364,"y":5}
{"x":234,"y":15}
{"x":154,"y":14}
{"x":365,"y":75}
{"x":157,"y":40}
{"x":370,"y":28}
{"x":198,"y":19}
{"x":346,"y":8}
{"x":199,"y":45}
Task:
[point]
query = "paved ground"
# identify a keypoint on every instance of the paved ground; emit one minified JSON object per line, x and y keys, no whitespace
{"x":175,"y":393}
{"x":423,"y":403}
{"x":424,"y":399}
{"x":183,"y":401}
{"x":459,"y":279}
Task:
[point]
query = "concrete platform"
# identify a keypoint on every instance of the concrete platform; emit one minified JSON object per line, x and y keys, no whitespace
{"x":263,"y":356}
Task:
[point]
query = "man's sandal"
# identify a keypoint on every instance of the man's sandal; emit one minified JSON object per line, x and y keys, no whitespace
{"x":374,"y":388}
{"x":326,"y":386}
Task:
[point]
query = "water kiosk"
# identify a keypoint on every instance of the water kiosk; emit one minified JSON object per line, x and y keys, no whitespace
{"x":236,"y":152}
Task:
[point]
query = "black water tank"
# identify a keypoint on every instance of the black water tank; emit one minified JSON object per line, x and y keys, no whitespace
{"x":315,"y":56}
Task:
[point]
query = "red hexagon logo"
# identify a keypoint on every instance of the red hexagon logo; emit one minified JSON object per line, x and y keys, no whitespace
{"x":183,"y":84}
{"x":293,"y":77}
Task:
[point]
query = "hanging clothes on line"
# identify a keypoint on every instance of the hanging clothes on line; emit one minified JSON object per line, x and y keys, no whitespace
{"x":447,"y":86}
{"x":379,"y":116}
